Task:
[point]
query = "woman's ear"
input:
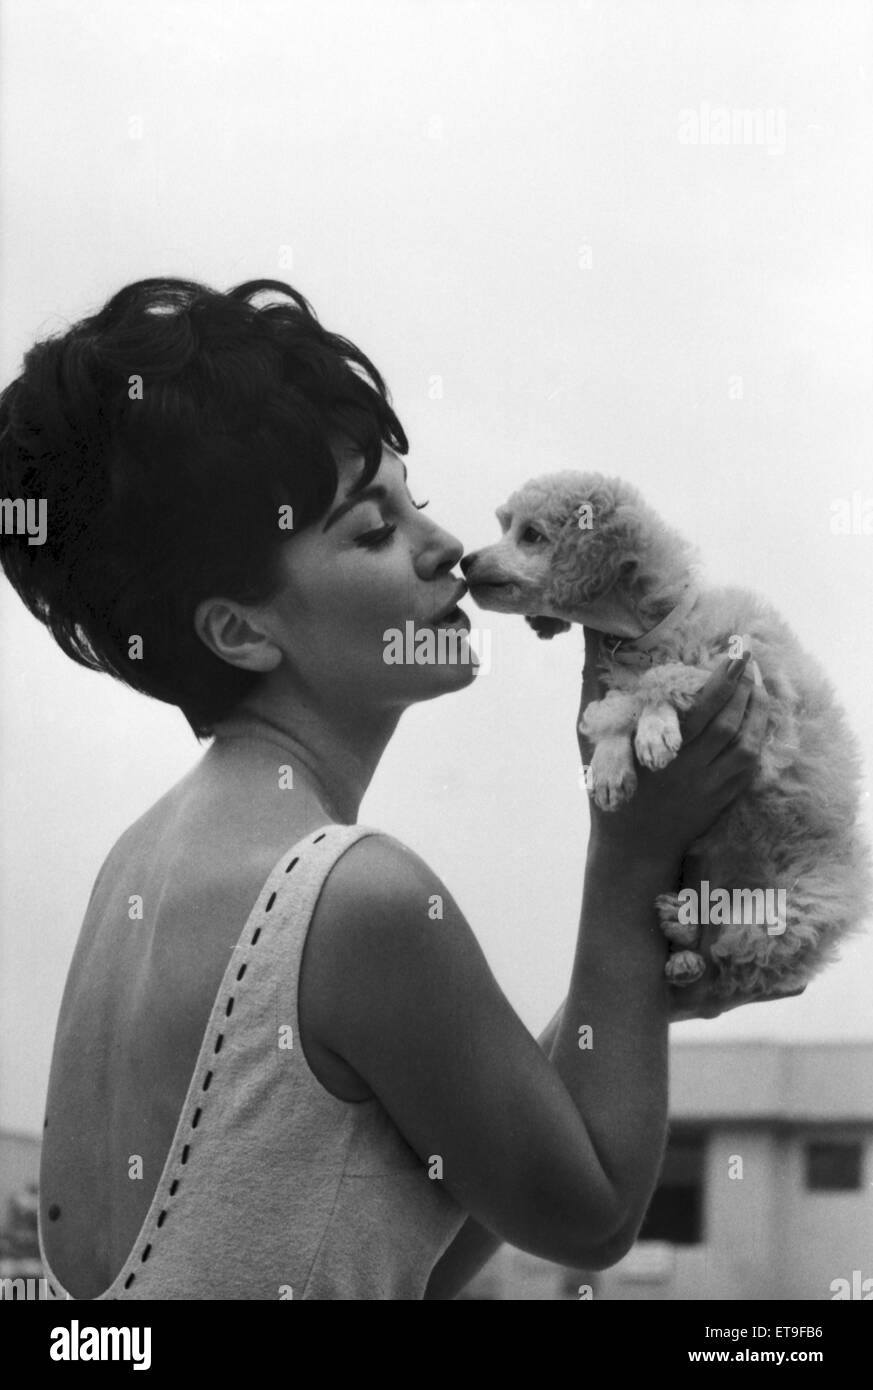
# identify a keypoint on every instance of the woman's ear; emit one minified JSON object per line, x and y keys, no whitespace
{"x":227,"y":630}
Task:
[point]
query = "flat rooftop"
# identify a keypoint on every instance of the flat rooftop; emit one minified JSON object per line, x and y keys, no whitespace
{"x":776,"y":1081}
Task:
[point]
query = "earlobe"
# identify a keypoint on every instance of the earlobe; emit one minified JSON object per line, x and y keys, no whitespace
{"x":229,"y":633}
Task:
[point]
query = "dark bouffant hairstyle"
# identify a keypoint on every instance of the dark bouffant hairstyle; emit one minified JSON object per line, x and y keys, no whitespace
{"x":161,"y":497}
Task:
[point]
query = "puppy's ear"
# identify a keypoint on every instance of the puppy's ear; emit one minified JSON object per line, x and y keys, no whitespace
{"x":548,"y":627}
{"x":595,"y":547}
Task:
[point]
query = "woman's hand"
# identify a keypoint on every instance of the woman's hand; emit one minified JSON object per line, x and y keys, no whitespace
{"x":722,"y":737}
{"x":699,"y":1000}
{"x":722,"y":734}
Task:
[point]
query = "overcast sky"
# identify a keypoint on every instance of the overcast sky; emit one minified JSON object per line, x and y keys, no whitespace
{"x":521,"y":212}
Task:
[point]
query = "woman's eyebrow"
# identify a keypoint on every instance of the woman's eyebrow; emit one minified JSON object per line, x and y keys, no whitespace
{"x":374,"y":490}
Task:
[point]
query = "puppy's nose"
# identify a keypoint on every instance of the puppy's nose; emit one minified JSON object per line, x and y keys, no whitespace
{"x":467,"y":562}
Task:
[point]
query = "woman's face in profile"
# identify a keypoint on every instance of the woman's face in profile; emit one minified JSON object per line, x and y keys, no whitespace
{"x":360,"y":584}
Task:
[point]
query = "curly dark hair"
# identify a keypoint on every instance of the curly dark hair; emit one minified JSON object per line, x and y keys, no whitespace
{"x":159,"y":497}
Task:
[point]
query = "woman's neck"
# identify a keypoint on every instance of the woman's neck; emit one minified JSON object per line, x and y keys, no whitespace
{"x":334,"y":759}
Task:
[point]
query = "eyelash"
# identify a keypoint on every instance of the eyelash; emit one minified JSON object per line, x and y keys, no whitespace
{"x":383,"y":537}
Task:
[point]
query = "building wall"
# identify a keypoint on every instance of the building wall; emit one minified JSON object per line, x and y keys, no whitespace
{"x":826,"y":1235}
{"x":742,"y":1214}
{"x":765,"y":1235}
{"x":19,"y":1165}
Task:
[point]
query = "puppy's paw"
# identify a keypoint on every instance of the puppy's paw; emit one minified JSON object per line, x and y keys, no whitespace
{"x":677,"y":933}
{"x":658,"y":738}
{"x":684,"y":967}
{"x":612,"y":780}
{"x":616,"y":791}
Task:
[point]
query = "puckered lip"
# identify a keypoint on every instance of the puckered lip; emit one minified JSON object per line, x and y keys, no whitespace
{"x":450,"y":607}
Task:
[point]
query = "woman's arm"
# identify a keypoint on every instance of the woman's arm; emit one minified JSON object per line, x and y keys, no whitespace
{"x":625,"y":1093}
{"x":614,"y":889}
{"x":474,"y":1244}
{"x":555,"y":1156}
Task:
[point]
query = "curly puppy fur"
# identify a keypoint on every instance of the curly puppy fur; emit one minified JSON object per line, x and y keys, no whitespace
{"x":583,"y":548}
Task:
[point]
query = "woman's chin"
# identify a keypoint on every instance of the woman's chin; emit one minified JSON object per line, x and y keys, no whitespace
{"x":436,"y":658}
{"x":444,"y":677}
{"x":458,"y":672}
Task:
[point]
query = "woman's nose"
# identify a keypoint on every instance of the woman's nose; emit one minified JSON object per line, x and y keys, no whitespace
{"x":441,"y":551}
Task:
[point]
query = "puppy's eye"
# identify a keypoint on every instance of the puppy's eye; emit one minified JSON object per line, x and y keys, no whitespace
{"x":530,"y":533}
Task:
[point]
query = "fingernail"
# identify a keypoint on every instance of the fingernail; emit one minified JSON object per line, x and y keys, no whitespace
{"x":756,"y":672}
{"x":737,"y":666}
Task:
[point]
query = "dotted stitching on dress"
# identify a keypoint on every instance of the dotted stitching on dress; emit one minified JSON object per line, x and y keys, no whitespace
{"x":174,"y":1185}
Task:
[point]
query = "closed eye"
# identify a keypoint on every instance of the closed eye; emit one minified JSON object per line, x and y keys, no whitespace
{"x":374,"y":540}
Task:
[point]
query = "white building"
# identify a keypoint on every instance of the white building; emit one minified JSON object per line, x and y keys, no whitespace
{"x":766,"y":1190}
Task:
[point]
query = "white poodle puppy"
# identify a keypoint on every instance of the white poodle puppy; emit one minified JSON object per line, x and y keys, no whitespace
{"x":785,"y":871}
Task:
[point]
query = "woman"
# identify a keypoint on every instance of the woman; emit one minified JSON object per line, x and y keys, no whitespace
{"x":229,"y":529}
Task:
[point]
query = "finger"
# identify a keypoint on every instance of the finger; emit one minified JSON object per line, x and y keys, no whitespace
{"x":723,"y":728}
{"x":592,"y":689}
{"x":695,"y":1001}
{"x":779,"y":994}
{"x":592,"y":686}
{"x":741,"y":755}
{"x":713,"y":696}
{"x":592,"y":682}
{"x":692,"y":869}
{"x":755,"y":724}
{"x":770,"y":998}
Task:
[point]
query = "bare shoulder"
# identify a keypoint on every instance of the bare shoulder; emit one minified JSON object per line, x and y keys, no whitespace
{"x":385,"y":926}
{"x":380,"y":864}
{"x":388,"y":944}
{"x":380,"y":883}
